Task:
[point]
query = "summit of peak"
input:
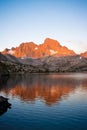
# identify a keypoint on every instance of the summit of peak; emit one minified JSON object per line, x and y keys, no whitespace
{"x":50,"y":40}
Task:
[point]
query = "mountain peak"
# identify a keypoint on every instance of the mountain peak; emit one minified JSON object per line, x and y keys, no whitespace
{"x":48,"y":48}
{"x":50,"y":41}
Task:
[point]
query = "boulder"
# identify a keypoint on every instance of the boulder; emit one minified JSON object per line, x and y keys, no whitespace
{"x":4,"y":105}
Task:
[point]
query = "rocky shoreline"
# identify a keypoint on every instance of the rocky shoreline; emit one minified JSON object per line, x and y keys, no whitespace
{"x":50,"y":64}
{"x":4,"y":105}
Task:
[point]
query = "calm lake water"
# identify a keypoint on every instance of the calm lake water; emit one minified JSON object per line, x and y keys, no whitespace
{"x":45,"y":102}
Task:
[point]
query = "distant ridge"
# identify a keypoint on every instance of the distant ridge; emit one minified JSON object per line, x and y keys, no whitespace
{"x":84,"y":54}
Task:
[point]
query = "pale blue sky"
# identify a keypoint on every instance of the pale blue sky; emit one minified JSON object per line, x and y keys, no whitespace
{"x":34,"y":20}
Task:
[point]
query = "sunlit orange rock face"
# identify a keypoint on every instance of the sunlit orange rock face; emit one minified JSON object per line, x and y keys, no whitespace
{"x":84,"y":54}
{"x":6,"y":51}
{"x":30,"y":49}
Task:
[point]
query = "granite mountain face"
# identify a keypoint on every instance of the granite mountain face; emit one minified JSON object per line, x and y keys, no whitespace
{"x":50,"y":47}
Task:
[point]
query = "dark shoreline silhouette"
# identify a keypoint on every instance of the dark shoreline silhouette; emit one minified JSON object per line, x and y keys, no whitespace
{"x":4,"y":105}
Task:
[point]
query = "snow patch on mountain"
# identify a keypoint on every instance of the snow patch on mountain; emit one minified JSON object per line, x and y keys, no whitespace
{"x":35,"y":48}
{"x":11,"y":52}
{"x":53,"y":52}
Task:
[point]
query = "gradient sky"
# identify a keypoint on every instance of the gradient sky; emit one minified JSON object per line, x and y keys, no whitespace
{"x":35,"y":20}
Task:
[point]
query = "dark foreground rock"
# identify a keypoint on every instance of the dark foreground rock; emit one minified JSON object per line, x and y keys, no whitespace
{"x":4,"y":105}
{"x":3,"y":69}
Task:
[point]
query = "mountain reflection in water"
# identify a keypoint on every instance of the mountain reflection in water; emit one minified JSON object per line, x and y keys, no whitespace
{"x":49,"y":88}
